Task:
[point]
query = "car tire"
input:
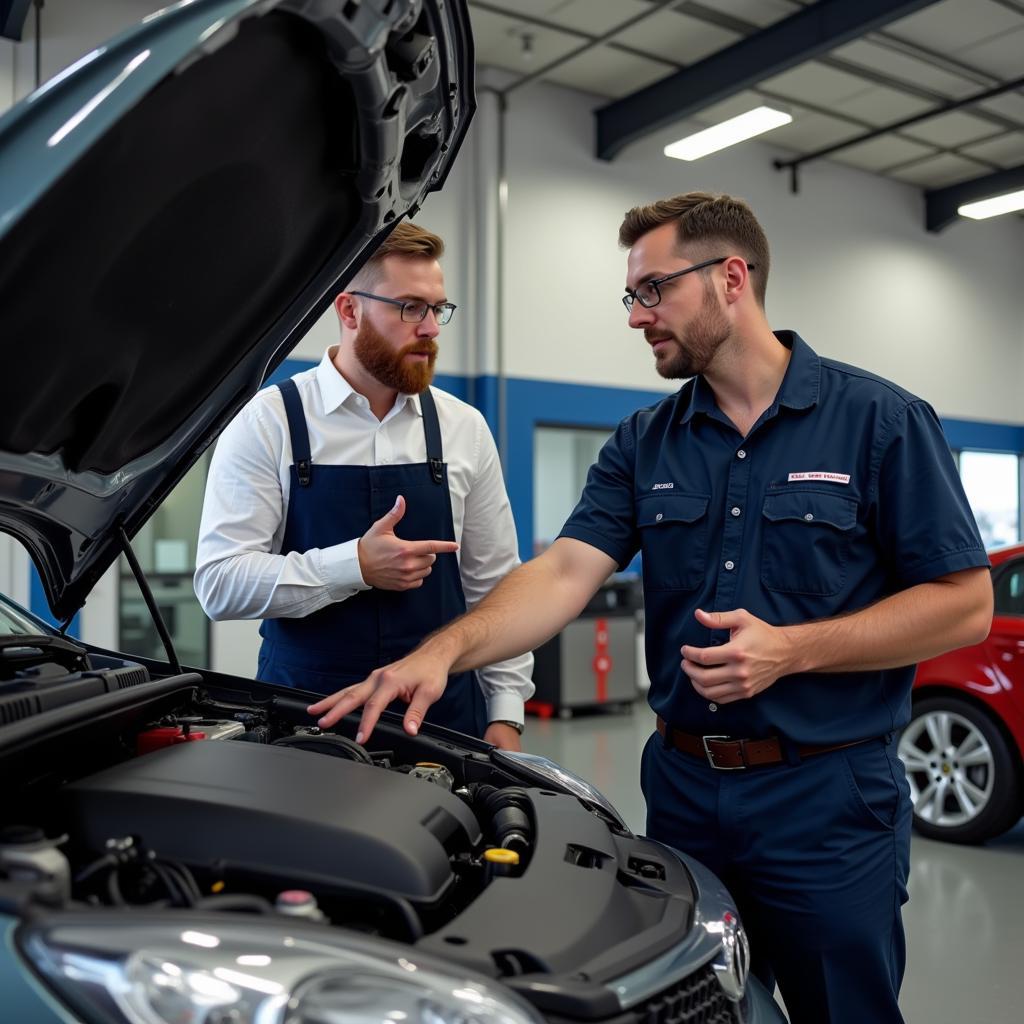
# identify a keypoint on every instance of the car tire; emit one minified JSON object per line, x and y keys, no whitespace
{"x":963,"y":773}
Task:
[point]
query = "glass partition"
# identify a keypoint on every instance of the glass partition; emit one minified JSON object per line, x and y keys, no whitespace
{"x":166,"y":550}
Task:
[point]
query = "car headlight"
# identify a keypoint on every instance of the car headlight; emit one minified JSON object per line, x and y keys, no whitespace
{"x":162,"y":971}
{"x":544,"y":772}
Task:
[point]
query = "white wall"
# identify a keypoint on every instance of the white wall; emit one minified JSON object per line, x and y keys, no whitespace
{"x":853,"y":269}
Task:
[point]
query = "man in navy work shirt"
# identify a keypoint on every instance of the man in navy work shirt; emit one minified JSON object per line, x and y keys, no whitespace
{"x":806,"y":540}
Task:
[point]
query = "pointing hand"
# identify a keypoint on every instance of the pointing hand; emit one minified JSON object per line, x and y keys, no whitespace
{"x":388,"y":562}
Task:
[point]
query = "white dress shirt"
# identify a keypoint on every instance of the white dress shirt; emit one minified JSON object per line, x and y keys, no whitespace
{"x":240,"y":572}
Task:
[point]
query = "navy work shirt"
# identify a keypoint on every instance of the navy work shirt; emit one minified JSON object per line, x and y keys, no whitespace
{"x":843,"y":492}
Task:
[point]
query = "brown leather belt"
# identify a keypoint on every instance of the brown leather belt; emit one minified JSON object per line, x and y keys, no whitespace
{"x":728,"y":754}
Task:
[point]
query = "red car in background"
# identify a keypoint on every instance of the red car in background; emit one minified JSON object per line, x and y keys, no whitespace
{"x":963,"y":746}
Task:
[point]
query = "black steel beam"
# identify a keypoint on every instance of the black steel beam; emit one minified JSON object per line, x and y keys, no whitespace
{"x":802,"y":36}
{"x":906,"y":122}
{"x":941,"y":204}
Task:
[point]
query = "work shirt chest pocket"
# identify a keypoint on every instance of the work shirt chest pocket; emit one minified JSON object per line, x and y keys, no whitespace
{"x":807,"y":540}
{"x":673,"y":537}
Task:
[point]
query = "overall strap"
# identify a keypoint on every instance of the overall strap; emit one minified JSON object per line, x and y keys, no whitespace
{"x":298,"y":430}
{"x":432,"y":434}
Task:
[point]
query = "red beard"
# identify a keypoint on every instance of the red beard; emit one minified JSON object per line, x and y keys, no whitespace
{"x":390,"y":367}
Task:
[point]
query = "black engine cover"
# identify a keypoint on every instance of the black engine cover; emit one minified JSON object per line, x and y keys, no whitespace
{"x":311,"y":821}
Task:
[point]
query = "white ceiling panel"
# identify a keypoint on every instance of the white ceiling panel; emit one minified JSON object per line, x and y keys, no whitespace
{"x":883,"y":152}
{"x":940,"y":171}
{"x":809,"y":132}
{"x":607,"y":72}
{"x":595,"y":17}
{"x":816,"y":81}
{"x":537,"y":8}
{"x":1010,"y":104}
{"x":677,"y":37}
{"x":879,"y":105}
{"x":1006,"y":151}
{"x":906,"y":68}
{"x":760,"y":12}
{"x":1002,"y":56}
{"x":951,"y":26}
{"x":733,"y":106}
{"x":499,"y":41}
{"x":953,"y":129}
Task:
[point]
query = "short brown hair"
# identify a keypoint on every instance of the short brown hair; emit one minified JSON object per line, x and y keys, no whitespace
{"x":409,"y":241}
{"x":704,"y":221}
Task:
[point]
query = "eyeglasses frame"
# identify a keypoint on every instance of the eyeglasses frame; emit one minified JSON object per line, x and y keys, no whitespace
{"x":631,"y":296}
{"x":439,"y":309}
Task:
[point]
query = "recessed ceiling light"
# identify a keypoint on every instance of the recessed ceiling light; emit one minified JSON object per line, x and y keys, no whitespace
{"x":728,"y":133}
{"x":993,"y":207}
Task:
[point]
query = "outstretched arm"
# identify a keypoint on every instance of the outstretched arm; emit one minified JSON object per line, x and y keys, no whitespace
{"x":529,"y":606}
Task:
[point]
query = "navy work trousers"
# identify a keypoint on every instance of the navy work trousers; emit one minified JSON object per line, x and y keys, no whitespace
{"x":816,"y":853}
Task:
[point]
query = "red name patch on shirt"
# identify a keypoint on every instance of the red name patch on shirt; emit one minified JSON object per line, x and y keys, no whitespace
{"x":832,"y":478}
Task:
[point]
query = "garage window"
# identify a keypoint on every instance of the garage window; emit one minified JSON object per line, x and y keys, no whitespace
{"x":992,"y":481}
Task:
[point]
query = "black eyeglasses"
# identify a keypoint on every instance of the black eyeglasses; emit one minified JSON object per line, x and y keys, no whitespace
{"x":415,"y":310}
{"x":648,"y":294}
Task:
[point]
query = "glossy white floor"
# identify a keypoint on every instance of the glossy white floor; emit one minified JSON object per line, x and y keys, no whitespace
{"x":965,"y":919}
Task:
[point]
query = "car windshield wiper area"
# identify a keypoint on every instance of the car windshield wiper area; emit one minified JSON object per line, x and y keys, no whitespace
{"x":26,"y":652}
{"x":39,"y":672}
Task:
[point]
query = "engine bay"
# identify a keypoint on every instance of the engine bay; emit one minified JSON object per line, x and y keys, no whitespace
{"x":197,"y":792}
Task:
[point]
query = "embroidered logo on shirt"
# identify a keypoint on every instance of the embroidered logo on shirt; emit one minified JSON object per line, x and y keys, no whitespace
{"x":662,"y":487}
{"x":832,"y":478}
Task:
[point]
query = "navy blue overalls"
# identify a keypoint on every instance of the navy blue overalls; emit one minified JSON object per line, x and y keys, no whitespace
{"x":842,"y":493}
{"x":342,"y":643}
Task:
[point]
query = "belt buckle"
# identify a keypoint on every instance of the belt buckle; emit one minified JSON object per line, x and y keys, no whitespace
{"x":711,"y":757}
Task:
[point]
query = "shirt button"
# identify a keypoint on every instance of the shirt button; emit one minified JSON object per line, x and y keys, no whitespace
{"x":730,"y":565}
{"x":735,"y":510}
{"x":809,"y":517}
{"x":712,"y":707}
{"x":741,"y":454}
{"x":659,"y":517}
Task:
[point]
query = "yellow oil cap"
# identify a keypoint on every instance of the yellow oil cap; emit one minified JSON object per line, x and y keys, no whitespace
{"x":496,"y":856}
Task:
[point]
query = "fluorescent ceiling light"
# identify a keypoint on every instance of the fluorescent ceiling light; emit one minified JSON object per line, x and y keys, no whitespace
{"x":728,"y":133}
{"x":993,"y":207}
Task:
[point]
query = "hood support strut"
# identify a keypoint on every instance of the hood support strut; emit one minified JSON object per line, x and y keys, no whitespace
{"x":154,"y":611}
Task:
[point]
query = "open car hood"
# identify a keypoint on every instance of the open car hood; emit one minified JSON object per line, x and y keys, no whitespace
{"x":176,"y":210}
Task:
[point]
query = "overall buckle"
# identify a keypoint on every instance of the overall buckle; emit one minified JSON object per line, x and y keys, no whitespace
{"x":709,"y":754}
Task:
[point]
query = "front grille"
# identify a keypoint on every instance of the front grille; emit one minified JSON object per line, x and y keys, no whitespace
{"x":698,"y":999}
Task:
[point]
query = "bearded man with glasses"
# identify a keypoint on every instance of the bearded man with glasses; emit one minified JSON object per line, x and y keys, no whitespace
{"x":805,"y":540}
{"x":355,"y":508}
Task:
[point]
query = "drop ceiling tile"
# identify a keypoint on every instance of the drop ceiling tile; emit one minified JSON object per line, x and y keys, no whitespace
{"x":677,"y":37}
{"x":879,"y":105}
{"x":940,"y":171}
{"x":608,"y":72}
{"x":544,"y":9}
{"x":814,"y":81}
{"x":732,"y":107}
{"x":956,"y":128}
{"x":1005,"y":151}
{"x":499,"y":41}
{"x":1010,"y":104}
{"x":760,"y":12}
{"x":907,"y":68}
{"x":595,"y":17}
{"x":883,"y":152}
{"x":951,"y":26}
{"x":808,"y":132}
{"x":1002,"y":56}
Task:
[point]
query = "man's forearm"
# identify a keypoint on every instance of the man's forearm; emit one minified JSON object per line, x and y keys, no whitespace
{"x":907,"y":627}
{"x":527,"y":607}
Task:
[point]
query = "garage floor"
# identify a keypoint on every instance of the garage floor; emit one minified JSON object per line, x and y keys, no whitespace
{"x":965,"y":919}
